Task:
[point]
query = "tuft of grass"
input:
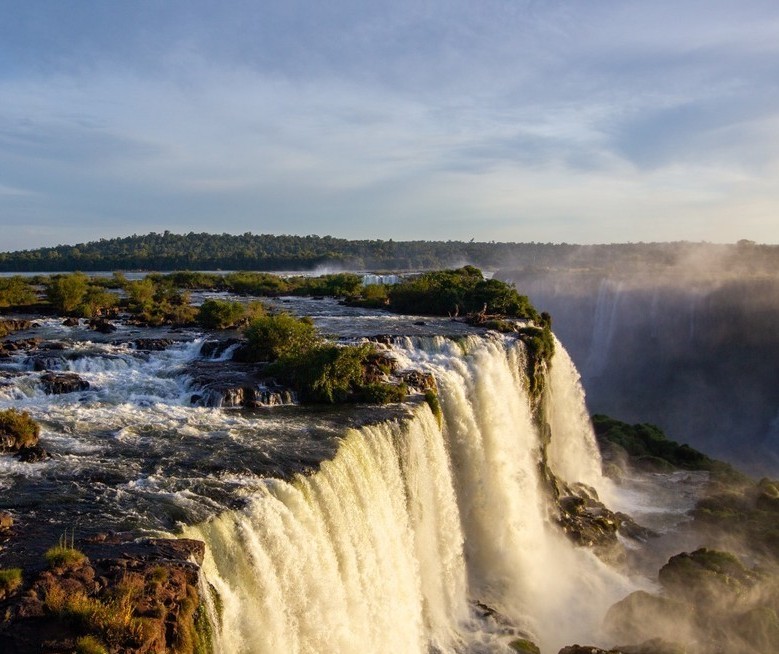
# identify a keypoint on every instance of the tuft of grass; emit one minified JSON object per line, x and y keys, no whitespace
{"x":62,"y":556}
{"x":10,"y":579}
{"x":90,"y":645}
{"x":18,"y":429}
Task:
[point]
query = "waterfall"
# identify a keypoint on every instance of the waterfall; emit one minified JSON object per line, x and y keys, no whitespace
{"x":604,"y":326}
{"x":573,"y":451}
{"x":398,"y":543}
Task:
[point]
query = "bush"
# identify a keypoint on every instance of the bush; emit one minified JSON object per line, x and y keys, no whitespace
{"x":381,"y":393}
{"x":273,"y":337}
{"x":66,"y":292}
{"x":155,"y":301}
{"x":456,"y":292}
{"x":18,"y":429}
{"x":16,"y":291}
{"x":220,"y":314}
{"x":10,"y":580}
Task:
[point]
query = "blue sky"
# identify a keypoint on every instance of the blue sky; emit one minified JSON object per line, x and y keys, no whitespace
{"x":519,"y":120}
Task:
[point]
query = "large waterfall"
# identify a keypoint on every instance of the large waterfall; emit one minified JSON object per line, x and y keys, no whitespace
{"x":421,"y":534}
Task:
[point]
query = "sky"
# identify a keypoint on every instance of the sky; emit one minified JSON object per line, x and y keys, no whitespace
{"x":507,"y":120}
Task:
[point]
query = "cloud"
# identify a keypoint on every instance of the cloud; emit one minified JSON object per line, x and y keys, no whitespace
{"x":508,"y":120}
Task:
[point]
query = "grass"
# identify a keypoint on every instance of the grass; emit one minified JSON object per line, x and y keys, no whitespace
{"x":64,"y":554}
{"x":10,"y":579}
{"x":90,"y":645}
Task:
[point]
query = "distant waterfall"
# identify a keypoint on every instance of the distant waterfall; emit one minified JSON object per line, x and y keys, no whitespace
{"x":389,"y":545}
{"x":604,"y":327}
{"x":573,"y":452}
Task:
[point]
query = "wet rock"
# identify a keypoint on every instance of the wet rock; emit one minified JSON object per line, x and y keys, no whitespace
{"x":102,"y":326}
{"x":9,"y":347}
{"x":706,"y":576}
{"x":70,"y":322}
{"x":32,"y":454}
{"x":14,"y":325}
{"x":422,"y":381}
{"x":153,"y":344}
{"x":65,"y":382}
{"x":641,"y":616}
{"x":41,"y":363}
{"x":215,"y":349}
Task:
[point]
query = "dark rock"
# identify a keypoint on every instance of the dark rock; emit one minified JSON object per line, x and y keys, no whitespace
{"x":70,"y":322}
{"x":32,"y":454}
{"x":66,"y":382}
{"x":706,"y":576}
{"x":41,"y":363}
{"x":102,"y":325}
{"x":215,"y":349}
{"x":422,"y":381}
{"x":153,"y":344}
{"x":641,"y":616}
{"x":14,"y":325}
{"x":420,"y":323}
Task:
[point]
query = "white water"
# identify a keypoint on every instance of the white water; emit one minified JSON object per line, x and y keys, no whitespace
{"x":387,"y":546}
{"x":573,"y":453}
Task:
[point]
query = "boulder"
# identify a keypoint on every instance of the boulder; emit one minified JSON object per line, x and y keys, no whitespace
{"x":32,"y":454}
{"x":102,"y":325}
{"x":153,"y":344}
{"x":70,"y":322}
{"x":57,"y":383}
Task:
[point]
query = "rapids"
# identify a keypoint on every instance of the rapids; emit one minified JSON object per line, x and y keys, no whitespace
{"x":351,"y":529}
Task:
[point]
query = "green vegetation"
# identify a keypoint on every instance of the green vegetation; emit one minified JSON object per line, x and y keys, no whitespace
{"x":155,"y":300}
{"x":16,"y":292}
{"x":247,"y":251}
{"x":458,"y":292}
{"x":431,"y":397}
{"x":317,"y":370}
{"x":224,"y":314}
{"x":648,"y":447}
{"x":10,"y":580}
{"x":77,"y":295}
{"x":524,"y":646}
{"x":280,"y":336}
{"x":17,"y":429}
{"x":90,"y":645}
{"x":64,"y":554}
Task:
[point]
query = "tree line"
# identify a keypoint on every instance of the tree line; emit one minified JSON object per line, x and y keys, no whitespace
{"x":202,"y":251}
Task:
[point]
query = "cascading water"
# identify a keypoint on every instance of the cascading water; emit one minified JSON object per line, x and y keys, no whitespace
{"x":398,"y":543}
{"x":573,"y":451}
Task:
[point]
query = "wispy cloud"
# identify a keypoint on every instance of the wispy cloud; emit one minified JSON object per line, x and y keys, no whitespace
{"x":518,"y":120}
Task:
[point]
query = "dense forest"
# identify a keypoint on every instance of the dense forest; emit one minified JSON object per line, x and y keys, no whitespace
{"x":168,"y":251}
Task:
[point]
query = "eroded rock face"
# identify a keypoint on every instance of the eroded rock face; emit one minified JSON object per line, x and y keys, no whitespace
{"x":65,"y":382}
{"x":131,"y":597}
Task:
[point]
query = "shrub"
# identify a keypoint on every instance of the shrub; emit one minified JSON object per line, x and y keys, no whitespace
{"x":460,"y":291}
{"x":155,"y":301}
{"x":272,"y":337}
{"x":66,"y":292}
{"x":16,"y":291}
{"x":381,"y":393}
{"x":10,"y":580}
{"x":18,"y":429}
{"x":220,"y":314}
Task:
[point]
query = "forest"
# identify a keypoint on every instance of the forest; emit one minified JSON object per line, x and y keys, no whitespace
{"x":202,"y":251}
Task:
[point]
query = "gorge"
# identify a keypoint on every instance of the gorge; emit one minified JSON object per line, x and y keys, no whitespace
{"x":472,"y":523}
